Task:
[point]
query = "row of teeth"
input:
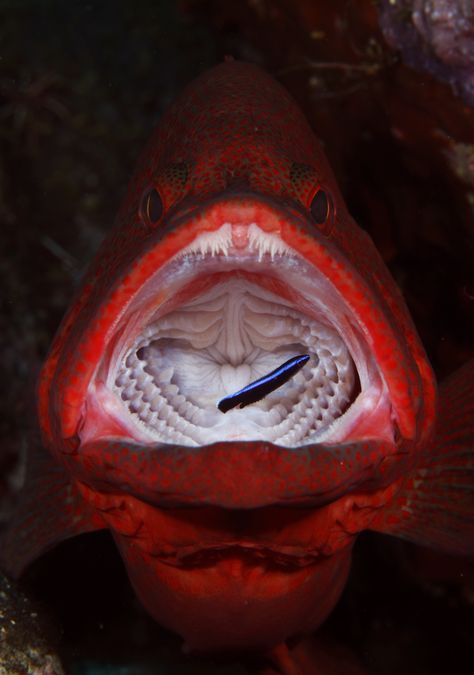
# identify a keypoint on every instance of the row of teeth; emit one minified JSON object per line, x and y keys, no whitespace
{"x":221,"y":241}
{"x":318,"y":394}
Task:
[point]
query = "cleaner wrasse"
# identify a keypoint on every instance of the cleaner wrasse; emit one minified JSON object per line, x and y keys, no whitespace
{"x":233,"y":252}
{"x":255,"y":391}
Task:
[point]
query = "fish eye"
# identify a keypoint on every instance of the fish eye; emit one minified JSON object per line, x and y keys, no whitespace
{"x":321,"y":207}
{"x":151,"y":207}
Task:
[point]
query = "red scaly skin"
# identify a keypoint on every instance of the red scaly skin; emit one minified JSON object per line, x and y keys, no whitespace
{"x":234,"y":148}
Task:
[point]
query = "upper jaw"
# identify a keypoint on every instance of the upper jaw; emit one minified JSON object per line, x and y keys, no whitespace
{"x":263,"y":267}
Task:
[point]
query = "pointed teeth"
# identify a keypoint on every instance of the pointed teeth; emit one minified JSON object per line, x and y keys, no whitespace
{"x":220,"y":241}
{"x":211,"y":243}
{"x":263,"y":242}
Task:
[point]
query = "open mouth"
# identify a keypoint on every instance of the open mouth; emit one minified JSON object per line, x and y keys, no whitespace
{"x":219,"y":342}
{"x":223,"y":312}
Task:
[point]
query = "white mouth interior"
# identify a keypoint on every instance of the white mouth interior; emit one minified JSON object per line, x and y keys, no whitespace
{"x":173,"y":363}
{"x":182,"y":365}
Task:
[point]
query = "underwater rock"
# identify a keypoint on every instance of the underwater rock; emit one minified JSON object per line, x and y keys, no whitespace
{"x":24,"y":647}
{"x":436,"y":36}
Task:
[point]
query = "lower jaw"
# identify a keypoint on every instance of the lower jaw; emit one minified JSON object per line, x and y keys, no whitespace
{"x":233,"y":605}
{"x":240,"y":476}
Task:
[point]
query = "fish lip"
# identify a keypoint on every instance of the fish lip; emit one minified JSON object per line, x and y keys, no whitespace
{"x":245,"y":475}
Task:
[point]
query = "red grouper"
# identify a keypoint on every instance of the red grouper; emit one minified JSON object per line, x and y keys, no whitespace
{"x":234,"y":253}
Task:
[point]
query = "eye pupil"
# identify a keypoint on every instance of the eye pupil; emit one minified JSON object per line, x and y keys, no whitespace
{"x":152,"y":207}
{"x":320,"y":207}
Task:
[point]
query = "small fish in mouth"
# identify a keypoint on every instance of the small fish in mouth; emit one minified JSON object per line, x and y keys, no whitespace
{"x":260,"y":388}
{"x":233,"y":252}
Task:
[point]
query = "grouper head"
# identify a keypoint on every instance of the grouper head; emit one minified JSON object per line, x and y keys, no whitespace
{"x":234,"y":252}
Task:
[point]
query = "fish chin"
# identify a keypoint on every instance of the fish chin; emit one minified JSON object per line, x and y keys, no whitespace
{"x":237,"y":606}
{"x":238,"y":303}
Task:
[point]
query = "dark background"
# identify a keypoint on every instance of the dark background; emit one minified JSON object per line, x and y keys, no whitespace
{"x":81,"y":86}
